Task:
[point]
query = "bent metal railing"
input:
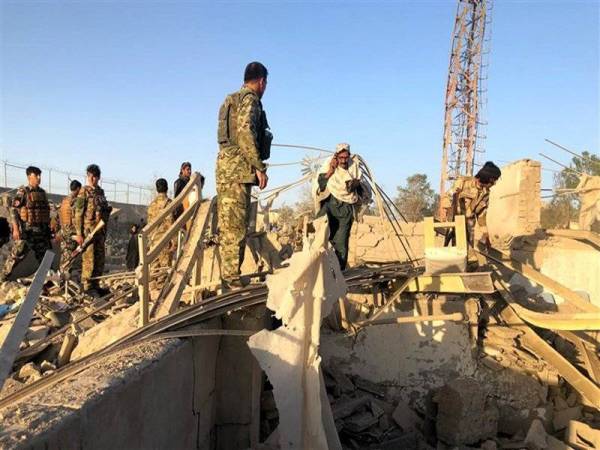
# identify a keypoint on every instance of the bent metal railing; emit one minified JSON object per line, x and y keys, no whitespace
{"x":189,"y":198}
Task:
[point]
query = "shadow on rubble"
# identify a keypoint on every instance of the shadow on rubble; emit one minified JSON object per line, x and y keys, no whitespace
{"x":441,"y":384}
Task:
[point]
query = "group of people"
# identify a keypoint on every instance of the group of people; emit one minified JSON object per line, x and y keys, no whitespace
{"x":244,"y":139}
{"x":83,"y":216}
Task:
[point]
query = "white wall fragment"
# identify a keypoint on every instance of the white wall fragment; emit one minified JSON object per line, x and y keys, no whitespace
{"x":301,"y":295}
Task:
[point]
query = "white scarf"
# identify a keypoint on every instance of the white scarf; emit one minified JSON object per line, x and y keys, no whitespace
{"x":336,"y":184}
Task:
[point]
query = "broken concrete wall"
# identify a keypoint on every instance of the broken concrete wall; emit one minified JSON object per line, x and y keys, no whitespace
{"x":411,"y":359}
{"x":573,"y":263}
{"x":515,"y":203}
{"x":370,"y":241}
{"x":155,"y":395}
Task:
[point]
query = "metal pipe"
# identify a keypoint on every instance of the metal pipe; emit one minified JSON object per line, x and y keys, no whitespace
{"x":560,"y":164}
{"x":454,"y":317}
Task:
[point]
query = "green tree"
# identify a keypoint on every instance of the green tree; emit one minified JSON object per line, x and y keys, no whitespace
{"x":416,"y":199}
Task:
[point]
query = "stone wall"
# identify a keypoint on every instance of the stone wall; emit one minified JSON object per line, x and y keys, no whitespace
{"x":370,"y":241}
{"x":515,"y":202}
{"x":410,"y":359}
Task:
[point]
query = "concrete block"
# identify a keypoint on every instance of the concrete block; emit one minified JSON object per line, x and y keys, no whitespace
{"x":464,"y":414}
{"x":536,"y":438}
{"x":562,"y":417}
{"x":406,"y":418}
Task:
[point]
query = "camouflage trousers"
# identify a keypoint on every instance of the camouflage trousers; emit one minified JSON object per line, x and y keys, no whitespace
{"x":38,"y":242}
{"x":92,"y":261}
{"x":165,"y":257}
{"x":67,"y":247}
{"x":233,"y":210}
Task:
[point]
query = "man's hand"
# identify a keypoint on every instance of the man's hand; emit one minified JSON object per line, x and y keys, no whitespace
{"x":262,"y":179}
{"x":16,"y":233}
{"x":78,"y":239}
{"x":332,"y":166}
{"x":352,"y":185}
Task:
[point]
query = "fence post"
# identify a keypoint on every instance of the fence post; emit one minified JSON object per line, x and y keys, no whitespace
{"x":140,"y":202}
{"x":127,"y":194}
{"x":50,"y":181}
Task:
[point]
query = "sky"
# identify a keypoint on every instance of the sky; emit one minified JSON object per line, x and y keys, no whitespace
{"x":135,"y":86}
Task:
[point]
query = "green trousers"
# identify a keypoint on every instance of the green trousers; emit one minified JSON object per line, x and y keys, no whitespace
{"x":340,"y":216}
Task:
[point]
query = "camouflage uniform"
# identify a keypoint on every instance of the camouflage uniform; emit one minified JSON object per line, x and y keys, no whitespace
{"x":30,"y":211}
{"x":89,"y":208}
{"x":154,"y":209}
{"x":242,"y":135}
{"x":67,"y":230}
{"x":471,"y":200}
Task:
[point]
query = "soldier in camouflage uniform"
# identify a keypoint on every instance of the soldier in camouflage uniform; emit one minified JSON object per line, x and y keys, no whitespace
{"x":30,"y":221}
{"x":90,"y":207}
{"x":244,"y":143}
{"x":470,"y":197}
{"x":67,"y":231}
{"x":160,"y":202}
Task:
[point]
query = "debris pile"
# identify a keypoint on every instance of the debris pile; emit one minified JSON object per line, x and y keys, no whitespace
{"x":366,"y":418}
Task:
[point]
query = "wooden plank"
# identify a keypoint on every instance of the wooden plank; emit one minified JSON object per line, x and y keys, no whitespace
{"x":543,"y":350}
{"x":559,"y":321}
{"x":171,"y":232}
{"x":589,"y":358}
{"x":191,"y":185}
{"x":175,"y":286}
{"x":428,"y":234}
{"x":580,"y":235}
{"x":11,"y":344}
{"x":457,"y":283}
{"x":454,"y":317}
{"x":461,"y":232}
{"x":548,"y":283}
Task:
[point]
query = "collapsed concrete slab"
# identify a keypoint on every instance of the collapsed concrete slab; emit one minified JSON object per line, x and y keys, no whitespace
{"x":301,"y":295}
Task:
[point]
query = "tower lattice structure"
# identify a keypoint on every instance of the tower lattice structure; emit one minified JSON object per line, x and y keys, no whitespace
{"x":465,"y":91}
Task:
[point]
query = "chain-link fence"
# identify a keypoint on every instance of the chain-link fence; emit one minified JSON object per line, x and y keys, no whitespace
{"x":56,"y":181}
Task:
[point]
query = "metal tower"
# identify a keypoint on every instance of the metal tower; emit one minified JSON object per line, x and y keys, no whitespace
{"x":465,"y":91}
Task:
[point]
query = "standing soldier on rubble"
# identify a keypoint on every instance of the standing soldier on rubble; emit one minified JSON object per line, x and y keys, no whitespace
{"x":160,"y":202}
{"x":67,"y":230}
{"x":185,"y":172}
{"x":470,"y":197}
{"x":30,"y":221}
{"x":89,"y":209}
{"x":339,"y":189}
{"x":244,"y":143}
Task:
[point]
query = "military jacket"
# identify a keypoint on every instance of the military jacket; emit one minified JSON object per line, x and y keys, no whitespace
{"x":470,"y":200}
{"x":242,"y":125}
{"x":66,"y":215}
{"x":160,"y":202}
{"x":89,"y":208}
{"x":30,"y":208}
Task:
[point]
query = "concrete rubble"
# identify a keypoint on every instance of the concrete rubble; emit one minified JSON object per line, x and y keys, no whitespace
{"x":326,"y":382}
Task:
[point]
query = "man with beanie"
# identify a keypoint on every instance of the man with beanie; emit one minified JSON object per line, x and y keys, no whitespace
{"x":470,"y":197}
